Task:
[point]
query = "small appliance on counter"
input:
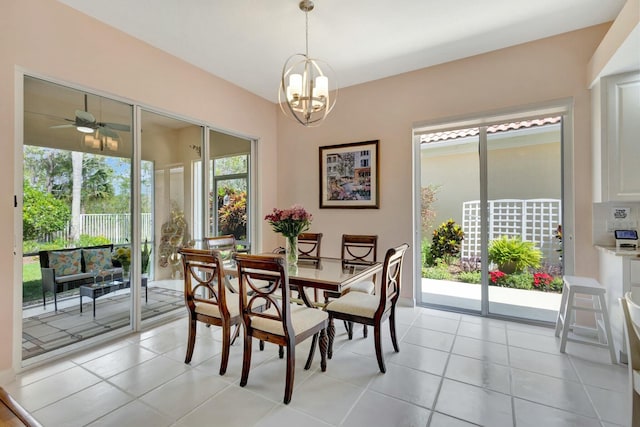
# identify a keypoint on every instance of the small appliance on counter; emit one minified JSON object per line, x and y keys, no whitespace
{"x":626,"y":239}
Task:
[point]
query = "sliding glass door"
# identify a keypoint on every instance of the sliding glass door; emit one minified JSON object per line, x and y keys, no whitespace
{"x":491,"y":218}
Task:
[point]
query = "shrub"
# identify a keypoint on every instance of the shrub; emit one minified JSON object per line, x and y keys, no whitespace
{"x":86,"y":240}
{"x":519,"y":281}
{"x":232,"y":217}
{"x":438,"y":272}
{"x":469,"y":276}
{"x":42,"y":213}
{"x":427,"y":259}
{"x":447,"y":240}
{"x":512,"y":252}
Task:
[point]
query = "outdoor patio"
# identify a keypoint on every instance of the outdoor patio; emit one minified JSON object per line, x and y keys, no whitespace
{"x":45,"y":330}
{"x":533,"y":305}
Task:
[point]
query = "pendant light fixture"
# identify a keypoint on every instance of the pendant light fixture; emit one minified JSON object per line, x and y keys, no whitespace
{"x":305,"y":92}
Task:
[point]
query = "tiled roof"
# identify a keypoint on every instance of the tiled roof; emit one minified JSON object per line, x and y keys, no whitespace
{"x":462,"y":133}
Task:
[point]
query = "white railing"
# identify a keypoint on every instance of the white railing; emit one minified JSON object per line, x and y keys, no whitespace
{"x":115,"y":227}
{"x":533,"y":220}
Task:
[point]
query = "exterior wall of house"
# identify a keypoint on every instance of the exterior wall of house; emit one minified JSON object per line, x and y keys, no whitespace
{"x":524,"y":172}
{"x":51,"y":40}
{"x":387,"y":109}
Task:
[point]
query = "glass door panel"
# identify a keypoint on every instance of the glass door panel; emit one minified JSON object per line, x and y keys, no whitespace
{"x":450,"y":209}
{"x":171,"y":158}
{"x":524,"y":191}
{"x":229,"y":197}
{"x":76,"y":195}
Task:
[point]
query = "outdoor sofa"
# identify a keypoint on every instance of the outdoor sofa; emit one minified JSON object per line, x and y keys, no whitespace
{"x":66,"y":269}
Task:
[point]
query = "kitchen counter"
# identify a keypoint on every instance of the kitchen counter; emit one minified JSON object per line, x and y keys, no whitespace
{"x":618,"y":252}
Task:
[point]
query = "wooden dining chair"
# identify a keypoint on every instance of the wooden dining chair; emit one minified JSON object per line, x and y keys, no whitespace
{"x":205,"y":296}
{"x":357,"y":250}
{"x":283,"y":323}
{"x":369,"y":309}
{"x":309,"y":246}
{"x":225,"y":245}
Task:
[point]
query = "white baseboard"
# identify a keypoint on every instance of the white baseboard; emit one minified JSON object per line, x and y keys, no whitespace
{"x":7,"y":376}
{"x":406,"y":302}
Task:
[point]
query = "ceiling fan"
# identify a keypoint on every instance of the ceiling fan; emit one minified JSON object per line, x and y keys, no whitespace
{"x":86,"y":122}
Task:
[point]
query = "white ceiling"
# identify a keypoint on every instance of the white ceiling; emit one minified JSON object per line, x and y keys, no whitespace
{"x":247,"y":41}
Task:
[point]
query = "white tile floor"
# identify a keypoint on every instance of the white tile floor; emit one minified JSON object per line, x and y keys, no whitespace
{"x":452,"y":370}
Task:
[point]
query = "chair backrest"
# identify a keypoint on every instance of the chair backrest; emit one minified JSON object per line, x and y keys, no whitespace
{"x":225,"y":245}
{"x":359,"y":249}
{"x":203,"y":279}
{"x":309,"y":246}
{"x":253,"y":271}
{"x":391,"y":275}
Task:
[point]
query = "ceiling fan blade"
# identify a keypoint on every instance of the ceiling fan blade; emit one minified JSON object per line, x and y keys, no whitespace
{"x":105,"y":131}
{"x":116,"y":126}
{"x":61,"y":126}
{"x":85,"y":116}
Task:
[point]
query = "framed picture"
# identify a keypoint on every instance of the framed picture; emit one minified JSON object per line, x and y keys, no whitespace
{"x":349,"y":176}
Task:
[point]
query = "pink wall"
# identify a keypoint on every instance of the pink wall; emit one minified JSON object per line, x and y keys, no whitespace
{"x":50,"y":39}
{"x":386,"y":109}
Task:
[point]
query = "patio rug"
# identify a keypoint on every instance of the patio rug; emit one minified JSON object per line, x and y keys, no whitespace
{"x":53,"y":330}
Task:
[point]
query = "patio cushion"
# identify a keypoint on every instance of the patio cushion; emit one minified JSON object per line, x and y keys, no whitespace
{"x":97,"y":259}
{"x":66,"y":262}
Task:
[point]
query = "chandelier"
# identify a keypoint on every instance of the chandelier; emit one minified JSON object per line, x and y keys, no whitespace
{"x":304,"y":86}
{"x":103,"y":140}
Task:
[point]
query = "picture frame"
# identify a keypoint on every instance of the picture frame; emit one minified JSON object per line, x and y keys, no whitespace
{"x":349,"y":176}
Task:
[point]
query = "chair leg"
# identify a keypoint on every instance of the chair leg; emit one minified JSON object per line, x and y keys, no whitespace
{"x":378,"y":342}
{"x":312,"y":350}
{"x":350,"y":330}
{"x":191,"y":341}
{"x":323,"y":350}
{"x":291,"y":367}
{"x":226,"y":344}
{"x":246,"y":359}
{"x":280,"y":352}
{"x":236,"y":334}
{"x":332,"y":333}
{"x":261,"y":345}
{"x":364,"y":331}
{"x":392,"y":328}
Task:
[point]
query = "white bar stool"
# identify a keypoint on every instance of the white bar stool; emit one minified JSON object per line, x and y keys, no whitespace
{"x":566,"y":315}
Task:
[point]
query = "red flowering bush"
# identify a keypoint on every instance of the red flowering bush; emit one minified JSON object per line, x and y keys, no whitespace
{"x":542,"y":280}
{"x":496,"y":277}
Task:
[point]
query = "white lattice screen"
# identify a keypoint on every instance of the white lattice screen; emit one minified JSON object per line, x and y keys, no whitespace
{"x":534,"y":220}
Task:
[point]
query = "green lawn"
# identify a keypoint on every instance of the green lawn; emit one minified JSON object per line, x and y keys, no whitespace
{"x":31,"y":282}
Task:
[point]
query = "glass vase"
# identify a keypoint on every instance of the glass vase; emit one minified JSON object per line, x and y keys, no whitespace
{"x":291,"y":250}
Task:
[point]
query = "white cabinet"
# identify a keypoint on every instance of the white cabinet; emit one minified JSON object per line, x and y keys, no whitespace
{"x":618,"y":274}
{"x":617,"y":138}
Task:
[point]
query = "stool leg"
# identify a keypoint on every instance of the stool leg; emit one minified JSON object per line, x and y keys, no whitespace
{"x":607,"y":329}
{"x":562,"y":310}
{"x":568,"y":311}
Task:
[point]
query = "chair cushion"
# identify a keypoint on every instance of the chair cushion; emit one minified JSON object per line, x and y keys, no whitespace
{"x":366,"y":286}
{"x":66,"y":262}
{"x":235,"y":286}
{"x":98,"y":259}
{"x":302,"y":319}
{"x":214,"y":311}
{"x":355,"y":303}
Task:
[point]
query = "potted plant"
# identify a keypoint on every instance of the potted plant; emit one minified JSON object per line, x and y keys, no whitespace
{"x":512,"y":255}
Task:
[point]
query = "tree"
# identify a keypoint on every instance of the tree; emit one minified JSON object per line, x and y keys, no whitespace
{"x":42,"y":213}
{"x":76,"y":193}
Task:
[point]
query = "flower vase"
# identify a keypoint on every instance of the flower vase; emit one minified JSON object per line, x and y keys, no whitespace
{"x":125,"y":272}
{"x":291,"y":250}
